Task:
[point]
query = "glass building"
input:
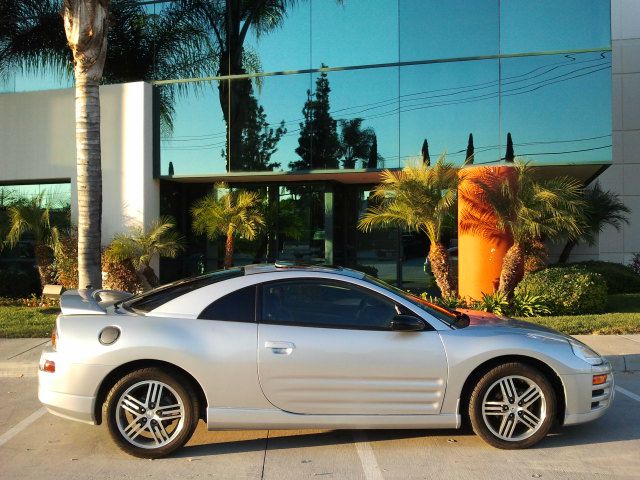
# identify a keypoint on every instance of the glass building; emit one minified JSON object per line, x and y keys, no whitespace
{"x":309,"y":109}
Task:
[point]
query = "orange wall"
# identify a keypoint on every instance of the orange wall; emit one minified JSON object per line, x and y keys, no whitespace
{"x":481,"y":246}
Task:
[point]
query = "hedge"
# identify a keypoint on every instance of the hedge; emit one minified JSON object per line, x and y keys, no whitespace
{"x":572,"y":290}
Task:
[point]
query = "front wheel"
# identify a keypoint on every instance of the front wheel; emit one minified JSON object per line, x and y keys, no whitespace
{"x":151,"y":413}
{"x":512,"y":406}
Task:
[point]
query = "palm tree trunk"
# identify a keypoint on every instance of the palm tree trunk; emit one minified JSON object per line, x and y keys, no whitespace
{"x":228,"y":248}
{"x":439,"y":260}
{"x":86,"y":26}
{"x":512,"y":269}
{"x":89,"y":182}
{"x":566,"y":251}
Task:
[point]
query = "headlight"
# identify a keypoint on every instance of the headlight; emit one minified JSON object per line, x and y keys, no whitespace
{"x":583,"y":352}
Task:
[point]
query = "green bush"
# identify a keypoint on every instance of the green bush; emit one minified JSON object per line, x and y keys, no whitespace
{"x":524,"y":304}
{"x":571,"y":290}
{"x":620,"y":278}
{"x":19,"y":283}
{"x":496,"y":302}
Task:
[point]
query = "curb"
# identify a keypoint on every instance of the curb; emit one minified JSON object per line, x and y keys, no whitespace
{"x":624,"y":363}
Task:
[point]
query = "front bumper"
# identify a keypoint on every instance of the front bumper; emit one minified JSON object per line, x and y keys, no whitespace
{"x":70,"y":392}
{"x":585,"y":401}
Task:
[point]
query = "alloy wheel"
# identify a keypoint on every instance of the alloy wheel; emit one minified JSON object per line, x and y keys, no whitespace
{"x":150,"y":414}
{"x":514,"y":408}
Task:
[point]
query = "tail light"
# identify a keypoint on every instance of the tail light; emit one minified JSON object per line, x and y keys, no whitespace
{"x":49,"y":366}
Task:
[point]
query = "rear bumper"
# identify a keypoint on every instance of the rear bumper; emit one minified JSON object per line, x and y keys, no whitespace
{"x":587,"y":402}
{"x":70,"y":392}
{"x":72,"y":407}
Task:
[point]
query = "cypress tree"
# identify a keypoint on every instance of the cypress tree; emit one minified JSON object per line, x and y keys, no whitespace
{"x":470,"y":151}
{"x":318,"y":144}
{"x":426,"y":159}
{"x":509,"y":155}
{"x":373,"y":153}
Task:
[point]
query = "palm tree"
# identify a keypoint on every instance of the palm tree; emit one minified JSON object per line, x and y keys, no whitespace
{"x":142,"y":247}
{"x":603,"y":208}
{"x":234,"y":214}
{"x":355,"y":142}
{"x":422,"y":199}
{"x":33,"y":217}
{"x":142,"y":45}
{"x":86,"y":26}
{"x":530,"y":209}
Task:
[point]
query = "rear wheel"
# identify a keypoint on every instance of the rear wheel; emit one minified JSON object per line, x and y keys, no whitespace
{"x":151,"y":413}
{"x":512,"y":406}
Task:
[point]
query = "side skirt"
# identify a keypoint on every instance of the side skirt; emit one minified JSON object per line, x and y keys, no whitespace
{"x":249,"y":419}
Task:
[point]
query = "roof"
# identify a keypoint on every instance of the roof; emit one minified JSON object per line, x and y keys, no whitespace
{"x":301,"y":267}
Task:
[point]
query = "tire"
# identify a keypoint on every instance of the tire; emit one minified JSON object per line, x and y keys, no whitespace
{"x":510,"y":421}
{"x":151,"y":413}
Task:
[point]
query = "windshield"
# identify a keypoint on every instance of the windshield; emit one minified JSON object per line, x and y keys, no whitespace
{"x":450,"y":317}
{"x":147,"y":301}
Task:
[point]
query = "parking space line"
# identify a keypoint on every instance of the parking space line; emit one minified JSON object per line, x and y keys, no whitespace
{"x":367,"y":457}
{"x":13,"y":431}
{"x":629,"y":394}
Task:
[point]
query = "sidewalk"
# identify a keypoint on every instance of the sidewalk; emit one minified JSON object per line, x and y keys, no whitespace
{"x":20,"y":356}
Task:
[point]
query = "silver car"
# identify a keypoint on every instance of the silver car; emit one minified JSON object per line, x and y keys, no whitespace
{"x":282,"y":347}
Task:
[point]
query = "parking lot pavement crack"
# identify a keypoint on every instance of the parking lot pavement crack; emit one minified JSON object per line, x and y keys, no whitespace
{"x":264,"y":457}
{"x":29,"y":349}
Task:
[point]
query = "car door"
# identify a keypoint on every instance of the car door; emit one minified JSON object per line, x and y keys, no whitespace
{"x":325,"y":347}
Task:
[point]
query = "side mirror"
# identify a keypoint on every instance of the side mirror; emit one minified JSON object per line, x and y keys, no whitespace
{"x":407,"y":323}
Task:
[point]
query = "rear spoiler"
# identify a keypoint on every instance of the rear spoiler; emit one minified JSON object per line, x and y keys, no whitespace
{"x":90,"y":302}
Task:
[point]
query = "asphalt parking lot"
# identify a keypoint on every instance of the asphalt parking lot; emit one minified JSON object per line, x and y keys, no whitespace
{"x":37,"y":445}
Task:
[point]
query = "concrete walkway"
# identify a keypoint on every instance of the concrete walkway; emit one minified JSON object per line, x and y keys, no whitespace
{"x":20,"y":356}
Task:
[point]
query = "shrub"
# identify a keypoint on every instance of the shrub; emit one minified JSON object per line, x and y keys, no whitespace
{"x":451,"y":301}
{"x":119,"y":275}
{"x":525,"y":304}
{"x":496,"y":302}
{"x":620,"y":278}
{"x":65,"y":261}
{"x":566,"y":291}
{"x":19,"y":283}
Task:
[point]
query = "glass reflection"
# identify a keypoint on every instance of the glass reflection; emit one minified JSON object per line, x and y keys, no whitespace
{"x":558,"y":108}
{"x":355,"y":32}
{"x":450,"y":108}
{"x":375,"y":252}
{"x":431,"y":29}
{"x":548,"y":25}
{"x":283,"y":46}
{"x":349,"y":121}
{"x":193,"y":130}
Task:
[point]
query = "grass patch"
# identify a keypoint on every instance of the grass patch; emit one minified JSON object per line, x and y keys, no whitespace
{"x":26,"y":322}
{"x":602,"y":324}
{"x":623,"y":317}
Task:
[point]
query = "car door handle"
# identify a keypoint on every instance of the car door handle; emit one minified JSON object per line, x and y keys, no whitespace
{"x":280,"y":348}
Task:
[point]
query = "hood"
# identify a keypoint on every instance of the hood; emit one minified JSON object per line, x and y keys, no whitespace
{"x":485,"y":319}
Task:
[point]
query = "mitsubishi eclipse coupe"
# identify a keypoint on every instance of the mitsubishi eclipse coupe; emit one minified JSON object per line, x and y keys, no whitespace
{"x":284,"y":346}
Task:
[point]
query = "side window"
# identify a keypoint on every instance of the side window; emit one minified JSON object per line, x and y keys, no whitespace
{"x":238,"y":306}
{"x":325,"y":304}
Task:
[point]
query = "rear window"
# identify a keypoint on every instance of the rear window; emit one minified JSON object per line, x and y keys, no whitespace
{"x":147,"y":301}
{"x":238,"y":306}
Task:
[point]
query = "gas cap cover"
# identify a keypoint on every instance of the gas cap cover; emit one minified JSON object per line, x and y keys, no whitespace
{"x":109,"y":335}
